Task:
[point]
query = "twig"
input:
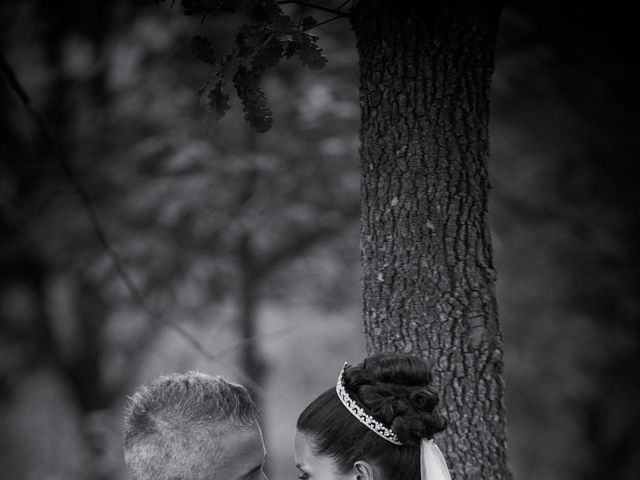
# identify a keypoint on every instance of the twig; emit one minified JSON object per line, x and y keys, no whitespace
{"x":305,"y":240}
{"x":337,"y":12}
{"x":325,"y":22}
{"x":301,"y":16}
{"x":13,"y":82}
{"x":239,"y":343}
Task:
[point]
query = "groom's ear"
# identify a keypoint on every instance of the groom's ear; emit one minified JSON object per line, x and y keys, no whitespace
{"x":363,"y":470}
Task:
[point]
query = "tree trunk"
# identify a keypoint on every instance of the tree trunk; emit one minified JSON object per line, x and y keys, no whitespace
{"x":428,"y":278}
{"x":85,"y":368}
{"x":251,"y":361}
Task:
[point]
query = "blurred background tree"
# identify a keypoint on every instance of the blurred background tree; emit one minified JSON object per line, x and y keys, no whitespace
{"x":188,"y":211}
{"x":133,"y":216}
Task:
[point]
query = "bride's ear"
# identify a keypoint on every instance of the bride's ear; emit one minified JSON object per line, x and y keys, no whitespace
{"x":363,"y":470}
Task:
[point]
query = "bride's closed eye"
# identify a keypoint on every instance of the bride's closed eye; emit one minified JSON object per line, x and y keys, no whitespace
{"x":303,"y":476}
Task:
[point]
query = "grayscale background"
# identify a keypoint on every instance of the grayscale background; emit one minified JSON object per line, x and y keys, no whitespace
{"x":151,"y":267}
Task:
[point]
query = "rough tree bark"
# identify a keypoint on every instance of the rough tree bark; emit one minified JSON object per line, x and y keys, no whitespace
{"x":428,"y":278}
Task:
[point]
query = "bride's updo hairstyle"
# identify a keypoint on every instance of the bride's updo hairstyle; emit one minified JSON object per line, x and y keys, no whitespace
{"x":395,"y":390}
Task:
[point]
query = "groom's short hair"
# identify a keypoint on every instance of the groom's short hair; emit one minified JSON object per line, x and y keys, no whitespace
{"x":173,"y":426}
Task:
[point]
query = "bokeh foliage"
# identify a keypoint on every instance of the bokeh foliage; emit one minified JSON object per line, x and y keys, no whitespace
{"x":200,"y":209}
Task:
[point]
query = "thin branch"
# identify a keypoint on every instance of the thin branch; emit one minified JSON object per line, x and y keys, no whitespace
{"x":325,"y":22}
{"x":277,"y":333}
{"x":264,"y":44}
{"x":99,"y":230}
{"x":13,"y":82}
{"x":337,"y":12}
{"x":304,"y":241}
{"x":301,"y":17}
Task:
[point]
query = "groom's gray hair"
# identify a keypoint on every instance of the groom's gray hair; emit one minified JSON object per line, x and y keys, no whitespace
{"x":172,"y":427}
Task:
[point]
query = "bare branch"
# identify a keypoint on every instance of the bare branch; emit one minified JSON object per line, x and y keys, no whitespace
{"x":337,"y":12}
{"x":14,"y":83}
{"x":325,"y":22}
{"x":231,"y":348}
{"x":305,"y":240}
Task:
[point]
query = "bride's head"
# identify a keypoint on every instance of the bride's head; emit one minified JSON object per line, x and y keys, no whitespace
{"x":390,"y":392}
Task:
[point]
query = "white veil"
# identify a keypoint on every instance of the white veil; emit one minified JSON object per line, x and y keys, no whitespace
{"x":433,"y":466}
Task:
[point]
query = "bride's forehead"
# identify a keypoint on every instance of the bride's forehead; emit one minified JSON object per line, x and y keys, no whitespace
{"x":305,"y":457}
{"x":301,"y":442}
{"x":303,"y":451}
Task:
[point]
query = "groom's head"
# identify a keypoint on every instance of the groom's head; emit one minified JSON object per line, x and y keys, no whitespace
{"x":193,"y":427}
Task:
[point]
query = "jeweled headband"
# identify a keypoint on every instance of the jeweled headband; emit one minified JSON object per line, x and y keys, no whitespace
{"x":366,"y":419}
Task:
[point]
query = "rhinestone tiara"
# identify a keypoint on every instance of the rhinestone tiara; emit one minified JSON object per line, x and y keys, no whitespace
{"x":364,"y":418}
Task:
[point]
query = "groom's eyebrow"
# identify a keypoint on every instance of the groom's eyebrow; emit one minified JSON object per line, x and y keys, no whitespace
{"x":250,"y":473}
{"x":255,"y":469}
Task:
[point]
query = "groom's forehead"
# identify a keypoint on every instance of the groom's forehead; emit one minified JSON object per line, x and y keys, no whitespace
{"x":240,"y":435}
{"x":241,"y":452}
